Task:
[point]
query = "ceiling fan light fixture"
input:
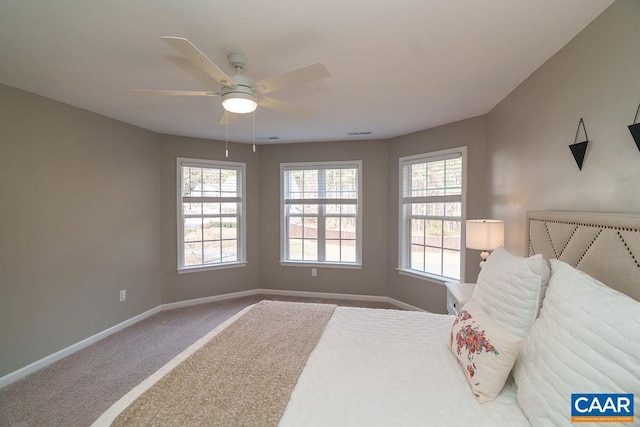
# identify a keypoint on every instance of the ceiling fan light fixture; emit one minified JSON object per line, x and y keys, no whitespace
{"x":239,"y":102}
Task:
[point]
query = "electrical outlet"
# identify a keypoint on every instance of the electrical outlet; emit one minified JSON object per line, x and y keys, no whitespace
{"x":123,"y":295}
{"x":314,"y":272}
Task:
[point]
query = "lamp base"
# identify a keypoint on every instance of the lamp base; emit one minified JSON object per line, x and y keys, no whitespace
{"x":484,"y":255}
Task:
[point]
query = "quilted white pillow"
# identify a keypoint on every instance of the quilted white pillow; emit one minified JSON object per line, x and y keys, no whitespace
{"x":510,"y":289}
{"x":587,"y":340}
{"x":485,"y":350}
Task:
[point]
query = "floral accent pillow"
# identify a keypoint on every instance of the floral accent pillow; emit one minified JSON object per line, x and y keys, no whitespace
{"x":485,"y":350}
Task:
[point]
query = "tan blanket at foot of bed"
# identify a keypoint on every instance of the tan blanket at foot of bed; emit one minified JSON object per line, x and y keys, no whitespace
{"x":243,"y":376}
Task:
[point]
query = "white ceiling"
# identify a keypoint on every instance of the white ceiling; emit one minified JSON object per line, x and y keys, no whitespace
{"x":397,"y":66}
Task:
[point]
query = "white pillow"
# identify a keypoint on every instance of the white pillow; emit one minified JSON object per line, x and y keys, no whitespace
{"x":510,"y":289}
{"x":587,"y":340}
{"x":485,"y":350}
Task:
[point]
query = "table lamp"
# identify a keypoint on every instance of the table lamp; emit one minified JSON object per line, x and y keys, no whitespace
{"x":484,"y":235}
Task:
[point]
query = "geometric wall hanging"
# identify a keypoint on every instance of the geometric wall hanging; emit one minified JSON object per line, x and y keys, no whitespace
{"x":635,"y":129}
{"x":578,"y":149}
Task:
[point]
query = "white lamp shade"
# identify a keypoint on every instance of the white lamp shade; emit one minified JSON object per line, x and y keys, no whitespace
{"x":484,"y":234}
{"x":240,"y":103}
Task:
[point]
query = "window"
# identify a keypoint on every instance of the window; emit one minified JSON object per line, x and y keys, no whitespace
{"x":432,"y":214}
{"x":211,"y":208}
{"x":321,"y":213}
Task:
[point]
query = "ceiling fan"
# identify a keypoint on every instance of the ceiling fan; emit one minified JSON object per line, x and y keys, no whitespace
{"x":239,"y":93}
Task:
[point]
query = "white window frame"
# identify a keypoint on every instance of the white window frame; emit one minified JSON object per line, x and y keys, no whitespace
{"x":404,"y":231}
{"x":284,"y":230}
{"x":219,"y":164}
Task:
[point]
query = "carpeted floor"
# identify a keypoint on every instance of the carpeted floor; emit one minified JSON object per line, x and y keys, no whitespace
{"x":75,"y":390}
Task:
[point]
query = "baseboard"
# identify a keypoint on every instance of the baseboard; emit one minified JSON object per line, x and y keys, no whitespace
{"x":327,"y":295}
{"x":205,"y":300}
{"x":48,"y":360}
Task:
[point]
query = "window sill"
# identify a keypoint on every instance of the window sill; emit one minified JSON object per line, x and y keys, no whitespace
{"x":184,"y":270}
{"x":352,"y":266}
{"x":440,"y":280}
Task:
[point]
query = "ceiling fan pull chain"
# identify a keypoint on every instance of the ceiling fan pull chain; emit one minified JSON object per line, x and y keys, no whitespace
{"x":226,"y":134}
{"x":254,"y":131}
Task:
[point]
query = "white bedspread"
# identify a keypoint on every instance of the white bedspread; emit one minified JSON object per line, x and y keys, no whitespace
{"x":391,"y":367}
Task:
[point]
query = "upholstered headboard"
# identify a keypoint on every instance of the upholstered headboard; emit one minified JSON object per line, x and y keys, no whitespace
{"x":605,"y":246}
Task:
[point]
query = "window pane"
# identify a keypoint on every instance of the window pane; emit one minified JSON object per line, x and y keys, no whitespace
{"x":349,"y":209}
{"x":418,"y":180}
{"x":417,"y":231}
{"x":454,"y":176}
{"x":451,"y":234}
{"x":349,"y":181}
{"x":229,"y":228}
{"x":192,"y":182}
{"x":332,"y":209}
{"x":211,"y":229}
{"x":417,"y":257}
{"x":451,"y":264}
{"x":434,"y":233}
{"x":295,"y":227}
{"x":332,"y":183}
{"x":192,"y":253}
{"x":454,"y":209}
{"x":211,"y":182}
{"x":310,"y":209}
{"x":349,"y":251}
{"x":332,"y":228}
{"x":229,"y":208}
{"x":310,"y":184}
{"x":295,"y":249}
{"x":435,"y":209}
{"x":348,"y":228}
{"x":192,"y":208}
{"x":310,"y":250}
{"x":211,"y":252}
{"x":229,"y":250}
{"x":310,"y":228}
{"x":211,"y":208}
{"x":192,"y":229}
{"x":435,"y":178}
{"x":433,"y":260}
{"x":418,"y":208}
{"x":332,"y":250}
{"x":295,"y":209}
{"x":229,"y":183}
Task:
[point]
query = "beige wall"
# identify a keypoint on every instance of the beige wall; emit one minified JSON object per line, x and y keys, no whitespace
{"x":371,"y":279}
{"x":79,"y":221}
{"x":471,"y":133}
{"x":186,"y":286}
{"x":596,"y":77}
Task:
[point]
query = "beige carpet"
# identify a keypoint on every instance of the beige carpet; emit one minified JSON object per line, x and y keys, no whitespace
{"x":77,"y":389}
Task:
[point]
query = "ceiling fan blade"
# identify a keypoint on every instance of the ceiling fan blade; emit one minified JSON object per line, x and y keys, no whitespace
{"x":227,"y":118}
{"x":301,"y":75}
{"x":174,"y":92}
{"x":199,"y":59}
{"x":276,"y":104}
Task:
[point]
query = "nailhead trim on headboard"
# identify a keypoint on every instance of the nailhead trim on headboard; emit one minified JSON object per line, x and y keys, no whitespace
{"x":589,"y":247}
{"x":592,"y":245}
{"x":633,"y":257}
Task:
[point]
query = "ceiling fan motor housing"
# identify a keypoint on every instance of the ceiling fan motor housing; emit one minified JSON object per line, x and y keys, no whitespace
{"x":243,"y":91}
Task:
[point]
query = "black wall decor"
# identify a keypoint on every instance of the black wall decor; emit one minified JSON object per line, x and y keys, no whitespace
{"x":578,"y":149}
{"x":635,"y":128}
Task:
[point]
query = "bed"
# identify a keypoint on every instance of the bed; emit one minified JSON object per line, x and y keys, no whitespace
{"x":531,"y":335}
